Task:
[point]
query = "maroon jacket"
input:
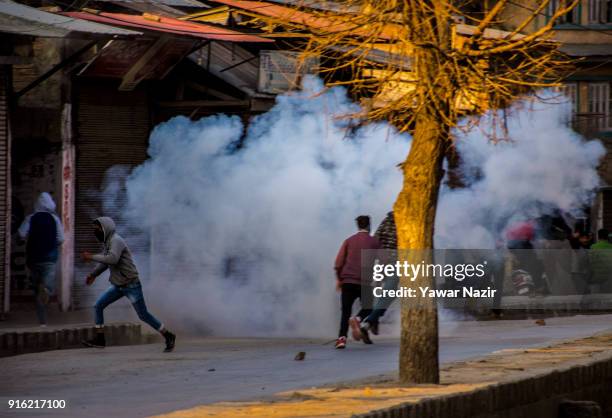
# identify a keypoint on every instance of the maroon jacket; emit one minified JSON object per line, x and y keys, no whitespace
{"x":348,"y":260}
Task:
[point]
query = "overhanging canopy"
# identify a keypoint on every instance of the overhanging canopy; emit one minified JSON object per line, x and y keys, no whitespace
{"x":18,"y":19}
{"x":170,"y":25}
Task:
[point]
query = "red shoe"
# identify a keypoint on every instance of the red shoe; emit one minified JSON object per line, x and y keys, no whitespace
{"x":341,"y":343}
{"x":355,"y":331}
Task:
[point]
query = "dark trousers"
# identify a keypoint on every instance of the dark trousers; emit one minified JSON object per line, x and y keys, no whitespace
{"x":350,"y":293}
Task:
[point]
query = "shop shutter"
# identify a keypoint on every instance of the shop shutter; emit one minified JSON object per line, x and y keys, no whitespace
{"x":607,"y":209}
{"x":5,"y":223}
{"x":112,"y":129}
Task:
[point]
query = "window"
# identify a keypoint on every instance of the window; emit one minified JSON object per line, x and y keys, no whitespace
{"x":600,"y":11}
{"x":571,"y":17}
{"x":599,"y":106}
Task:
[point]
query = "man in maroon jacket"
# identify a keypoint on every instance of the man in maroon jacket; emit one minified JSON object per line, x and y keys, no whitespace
{"x":349,"y":280}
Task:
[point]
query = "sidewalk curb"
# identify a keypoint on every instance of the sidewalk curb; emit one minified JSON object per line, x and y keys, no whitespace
{"x":525,"y":396}
{"x":21,"y":342}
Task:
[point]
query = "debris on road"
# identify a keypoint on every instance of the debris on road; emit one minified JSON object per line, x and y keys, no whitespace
{"x":459,"y":380}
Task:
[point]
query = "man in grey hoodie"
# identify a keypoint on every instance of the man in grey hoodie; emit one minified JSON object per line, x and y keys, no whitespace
{"x":124,"y":282}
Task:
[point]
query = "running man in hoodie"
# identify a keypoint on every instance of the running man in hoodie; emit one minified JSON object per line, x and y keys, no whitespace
{"x":117,"y":257}
{"x":44,"y":233}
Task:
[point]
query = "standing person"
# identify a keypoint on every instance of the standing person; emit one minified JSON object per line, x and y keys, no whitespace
{"x":497,"y":262}
{"x":553,"y":245}
{"x":124,"y":282}
{"x":386,"y":235}
{"x":522,"y":257}
{"x":600,"y":260}
{"x":349,"y":280}
{"x":581,"y":273}
{"x":44,"y":233}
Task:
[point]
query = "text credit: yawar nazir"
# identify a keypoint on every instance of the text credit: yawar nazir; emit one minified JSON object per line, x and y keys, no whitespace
{"x":413,"y":271}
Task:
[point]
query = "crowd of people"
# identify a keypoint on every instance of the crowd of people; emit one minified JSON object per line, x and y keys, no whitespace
{"x":561,"y":257}
{"x":539,"y":257}
{"x":590,"y":265}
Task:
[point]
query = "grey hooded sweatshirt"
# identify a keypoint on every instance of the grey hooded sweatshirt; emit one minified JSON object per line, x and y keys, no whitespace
{"x":116,"y":256}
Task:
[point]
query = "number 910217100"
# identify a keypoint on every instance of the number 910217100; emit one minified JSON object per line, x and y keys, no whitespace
{"x":36,"y":404}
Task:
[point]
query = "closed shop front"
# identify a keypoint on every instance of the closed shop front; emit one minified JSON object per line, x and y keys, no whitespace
{"x":112,"y":130}
{"x":5,"y":190}
{"x":606,"y":209}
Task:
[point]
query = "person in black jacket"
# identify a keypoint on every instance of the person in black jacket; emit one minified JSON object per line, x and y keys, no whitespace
{"x":386,"y":234}
{"x":553,"y":245}
{"x":44,"y":233}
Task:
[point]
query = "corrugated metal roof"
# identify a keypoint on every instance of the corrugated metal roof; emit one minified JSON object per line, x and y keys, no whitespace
{"x":171,"y":8}
{"x":278,"y":11}
{"x":222,"y":64}
{"x":300,"y":17}
{"x":168,"y":25}
{"x":319,"y":4}
{"x":154,"y":8}
{"x":24,"y":20}
{"x":174,"y":3}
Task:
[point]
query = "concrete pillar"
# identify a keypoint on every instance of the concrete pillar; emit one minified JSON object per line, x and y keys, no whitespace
{"x":67,"y":209}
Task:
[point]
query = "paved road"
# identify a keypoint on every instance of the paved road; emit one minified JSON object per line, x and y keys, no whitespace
{"x":140,"y":380}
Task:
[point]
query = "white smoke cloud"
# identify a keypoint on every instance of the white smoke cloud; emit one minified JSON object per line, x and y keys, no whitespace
{"x":544,"y":165}
{"x":243,"y":240}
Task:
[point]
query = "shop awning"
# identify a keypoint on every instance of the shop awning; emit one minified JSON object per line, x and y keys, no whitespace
{"x":173,"y":3}
{"x":330,"y":24}
{"x":302,"y":18}
{"x":18,"y":19}
{"x":154,"y":23}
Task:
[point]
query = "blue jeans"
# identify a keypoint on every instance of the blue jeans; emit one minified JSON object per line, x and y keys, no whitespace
{"x":133,"y":292}
{"x":42,"y":276}
{"x":381,"y":304}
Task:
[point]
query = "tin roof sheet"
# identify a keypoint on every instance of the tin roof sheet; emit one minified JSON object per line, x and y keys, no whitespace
{"x":168,"y":25}
{"x":24,"y":20}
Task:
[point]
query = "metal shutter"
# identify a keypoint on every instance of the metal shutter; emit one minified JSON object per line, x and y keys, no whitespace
{"x":5,"y":189}
{"x":112,"y":129}
{"x":606,"y":211}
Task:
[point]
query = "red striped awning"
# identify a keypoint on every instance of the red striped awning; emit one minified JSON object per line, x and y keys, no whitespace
{"x":165,"y":24}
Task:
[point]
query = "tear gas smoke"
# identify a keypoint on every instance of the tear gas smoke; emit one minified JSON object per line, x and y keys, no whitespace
{"x":243,"y":238}
{"x":544,"y":166}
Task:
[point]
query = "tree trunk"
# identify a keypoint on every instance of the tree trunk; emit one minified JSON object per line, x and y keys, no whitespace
{"x":415,"y":207}
{"x":414,"y":213}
